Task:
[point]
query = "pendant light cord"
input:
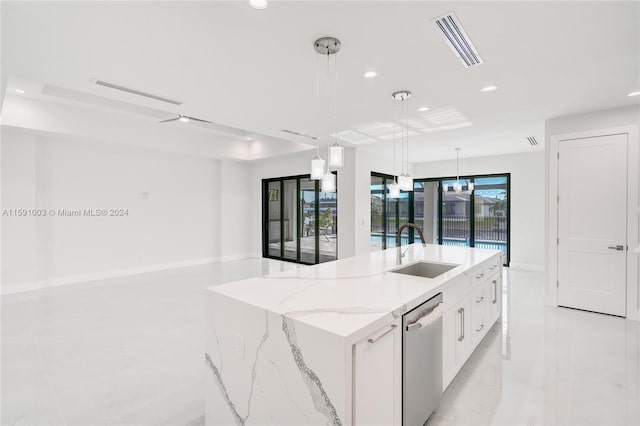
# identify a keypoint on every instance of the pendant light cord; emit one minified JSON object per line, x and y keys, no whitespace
{"x":317,"y":104}
{"x":394,"y":142}
{"x":335,"y":99}
{"x":405,"y":113}
{"x":328,"y":83}
{"x":407,"y":124}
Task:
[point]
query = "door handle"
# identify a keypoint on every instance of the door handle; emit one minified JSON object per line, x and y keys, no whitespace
{"x":461,"y":312}
{"x":619,"y":248}
{"x":372,"y":341}
{"x":428,"y":319}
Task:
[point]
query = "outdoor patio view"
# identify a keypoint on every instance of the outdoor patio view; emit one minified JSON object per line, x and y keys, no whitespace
{"x":300,"y":221}
{"x":466,"y":220}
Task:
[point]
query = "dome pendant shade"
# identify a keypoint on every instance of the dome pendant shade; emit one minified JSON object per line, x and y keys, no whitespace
{"x":317,"y":168}
{"x":336,"y":156}
{"x":329,"y":182}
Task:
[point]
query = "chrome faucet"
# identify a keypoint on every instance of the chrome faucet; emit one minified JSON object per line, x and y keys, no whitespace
{"x":399,"y":241}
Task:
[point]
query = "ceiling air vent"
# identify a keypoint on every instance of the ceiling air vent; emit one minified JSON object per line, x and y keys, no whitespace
{"x":457,"y":39}
{"x":532,"y":140}
{"x":135,"y":91}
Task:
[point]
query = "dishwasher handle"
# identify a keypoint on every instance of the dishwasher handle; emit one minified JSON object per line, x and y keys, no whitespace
{"x":429,"y":318}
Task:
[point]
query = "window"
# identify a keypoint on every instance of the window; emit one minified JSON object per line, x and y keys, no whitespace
{"x":299,"y":221}
{"x":481,"y":220}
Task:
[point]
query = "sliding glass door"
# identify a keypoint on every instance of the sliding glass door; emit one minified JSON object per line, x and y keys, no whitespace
{"x":299,"y":222}
{"x":478,"y":219}
{"x":491,"y":227}
{"x":456,"y":216}
{"x":387,"y":214}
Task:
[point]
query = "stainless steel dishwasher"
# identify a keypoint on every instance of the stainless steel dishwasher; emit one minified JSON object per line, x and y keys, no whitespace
{"x":421,"y":361}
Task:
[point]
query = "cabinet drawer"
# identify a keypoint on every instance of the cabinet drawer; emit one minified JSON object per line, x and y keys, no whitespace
{"x":478,"y":275}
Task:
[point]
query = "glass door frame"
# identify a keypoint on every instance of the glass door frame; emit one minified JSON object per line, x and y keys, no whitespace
{"x":472,"y":227}
{"x":385,"y":178}
{"x":300,"y":221}
{"x":439,"y":180}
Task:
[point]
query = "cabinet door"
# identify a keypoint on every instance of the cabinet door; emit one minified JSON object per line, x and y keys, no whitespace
{"x":378,"y":377}
{"x":449,"y":336}
{"x":479,"y":313}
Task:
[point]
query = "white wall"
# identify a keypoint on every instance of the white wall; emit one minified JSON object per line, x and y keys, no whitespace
{"x":236,"y":210}
{"x":177,"y":225}
{"x":18,"y":189}
{"x":527,"y":198}
{"x":592,"y":122}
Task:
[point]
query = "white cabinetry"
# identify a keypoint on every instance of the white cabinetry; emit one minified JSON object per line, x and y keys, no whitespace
{"x":474,"y":309}
{"x":378,"y":377}
{"x":456,"y":339}
{"x":472,"y":306}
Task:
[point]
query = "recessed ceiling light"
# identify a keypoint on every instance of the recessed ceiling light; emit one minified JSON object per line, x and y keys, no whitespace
{"x":370,"y":74}
{"x":489,"y":88}
{"x":258,"y":4}
{"x":184,"y":119}
{"x":424,"y":108}
{"x":634,"y":94}
{"x":22,"y":92}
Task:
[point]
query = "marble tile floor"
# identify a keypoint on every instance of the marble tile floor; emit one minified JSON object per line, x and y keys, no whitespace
{"x":125,"y":351}
{"x":128,"y":351}
{"x":544,"y":365}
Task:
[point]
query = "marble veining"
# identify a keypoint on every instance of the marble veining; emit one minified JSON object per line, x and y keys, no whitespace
{"x":217,"y":377}
{"x":320,"y":398}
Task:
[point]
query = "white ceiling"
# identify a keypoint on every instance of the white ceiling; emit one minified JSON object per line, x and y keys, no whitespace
{"x":255,"y":69}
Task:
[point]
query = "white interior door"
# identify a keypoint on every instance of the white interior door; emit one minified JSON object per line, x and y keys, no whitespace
{"x":592,"y":224}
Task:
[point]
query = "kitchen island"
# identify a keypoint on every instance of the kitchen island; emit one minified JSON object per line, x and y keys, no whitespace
{"x":323,"y":344}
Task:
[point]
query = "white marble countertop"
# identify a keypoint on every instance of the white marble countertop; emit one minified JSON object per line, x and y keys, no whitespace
{"x":356,"y":296}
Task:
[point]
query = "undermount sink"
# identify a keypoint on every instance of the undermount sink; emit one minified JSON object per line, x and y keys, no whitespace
{"x":425,"y":269}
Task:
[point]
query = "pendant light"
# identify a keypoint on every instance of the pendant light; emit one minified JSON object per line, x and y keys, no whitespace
{"x":336,"y":152}
{"x":327,"y":46}
{"x":457,"y":186}
{"x":329,"y":182}
{"x":394,"y":188}
{"x":404,"y":180}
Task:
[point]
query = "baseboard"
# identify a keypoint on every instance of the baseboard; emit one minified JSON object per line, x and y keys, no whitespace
{"x":240,"y":256}
{"x":116,"y":273}
{"x":527,"y":266}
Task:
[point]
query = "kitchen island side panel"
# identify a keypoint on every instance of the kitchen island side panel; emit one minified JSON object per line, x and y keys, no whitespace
{"x":264,"y":368}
